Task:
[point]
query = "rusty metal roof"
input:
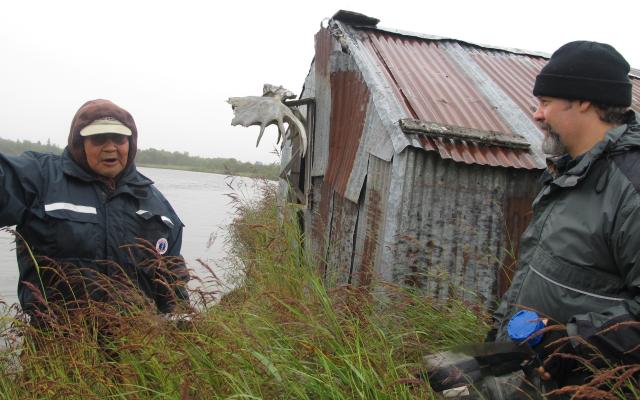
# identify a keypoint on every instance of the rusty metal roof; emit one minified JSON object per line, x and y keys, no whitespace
{"x":460,"y":84}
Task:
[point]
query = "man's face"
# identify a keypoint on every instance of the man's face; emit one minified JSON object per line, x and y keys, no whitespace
{"x":107,"y":153}
{"x":556,"y":118}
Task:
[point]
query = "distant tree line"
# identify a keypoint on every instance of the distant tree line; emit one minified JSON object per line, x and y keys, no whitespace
{"x":182,"y":160}
{"x":20,"y":146}
{"x":162,"y":159}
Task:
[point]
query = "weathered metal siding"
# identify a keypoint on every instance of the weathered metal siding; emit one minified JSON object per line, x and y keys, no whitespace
{"x":349,"y":100}
{"x":344,"y":215}
{"x":322,"y":221}
{"x":451,"y":233}
{"x":324,"y":44}
{"x":341,"y":218}
{"x":354,"y":230}
{"x":313,"y":225}
{"x":342,"y":100}
{"x":516,"y":210}
{"x":370,"y":227}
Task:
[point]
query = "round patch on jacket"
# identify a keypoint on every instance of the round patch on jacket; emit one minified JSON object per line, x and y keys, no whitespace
{"x":162,"y":245}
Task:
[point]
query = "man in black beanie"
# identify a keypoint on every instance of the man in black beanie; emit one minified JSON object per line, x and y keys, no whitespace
{"x":579,"y":264}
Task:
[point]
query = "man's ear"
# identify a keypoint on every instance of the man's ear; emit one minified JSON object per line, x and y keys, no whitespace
{"x":584,"y":105}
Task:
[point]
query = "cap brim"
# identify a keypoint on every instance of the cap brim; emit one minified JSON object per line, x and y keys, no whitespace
{"x":99,"y":129}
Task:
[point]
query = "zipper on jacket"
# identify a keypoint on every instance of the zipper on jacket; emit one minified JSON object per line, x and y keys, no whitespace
{"x":105,"y":211}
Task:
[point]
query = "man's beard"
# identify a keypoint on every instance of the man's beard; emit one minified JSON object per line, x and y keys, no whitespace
{"x":552,"y":145}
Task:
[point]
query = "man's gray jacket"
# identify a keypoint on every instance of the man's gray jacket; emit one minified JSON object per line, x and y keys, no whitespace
{"x":579,"y":260}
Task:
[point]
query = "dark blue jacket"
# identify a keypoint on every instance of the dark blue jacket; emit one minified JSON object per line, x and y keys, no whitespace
{"x":69,"y":218}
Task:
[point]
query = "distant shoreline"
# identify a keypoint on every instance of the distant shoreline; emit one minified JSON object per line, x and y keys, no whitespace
{"x":155,"y":158}
{"x":196,"y":169}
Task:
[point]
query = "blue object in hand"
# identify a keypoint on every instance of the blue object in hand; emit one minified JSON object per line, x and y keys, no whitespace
{"x":523,"y":324}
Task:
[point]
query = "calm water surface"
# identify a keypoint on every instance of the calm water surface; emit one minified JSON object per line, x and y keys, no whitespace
{"x":201,"y":202}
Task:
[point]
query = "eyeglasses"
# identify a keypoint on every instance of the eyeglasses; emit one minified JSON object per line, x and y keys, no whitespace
{"x":101,"y":139}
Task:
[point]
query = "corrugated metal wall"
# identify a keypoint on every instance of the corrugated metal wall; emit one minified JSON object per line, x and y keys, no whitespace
{"x":370,"y":225}
{"x":320,"y":155}
{"x":347,"y":236}
{"x":454,"y":230}
{"x":349,"y":100}
{"x":311,"y":216}
{"x":454,"y":223}
{"x":343,"y":217}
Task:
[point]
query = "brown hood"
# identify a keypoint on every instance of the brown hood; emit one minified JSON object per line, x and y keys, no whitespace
{"x":89,"y":112}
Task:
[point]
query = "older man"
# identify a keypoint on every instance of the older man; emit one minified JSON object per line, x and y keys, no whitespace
{"x":579,"y":263}
{"x":90,"y":226}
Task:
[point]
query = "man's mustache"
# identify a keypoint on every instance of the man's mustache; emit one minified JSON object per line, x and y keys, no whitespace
{"x":545,"y":127}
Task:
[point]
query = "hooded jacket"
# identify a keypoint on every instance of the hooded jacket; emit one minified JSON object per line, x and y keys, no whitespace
{"x":580,"y":255}
{"x":76,"y":231}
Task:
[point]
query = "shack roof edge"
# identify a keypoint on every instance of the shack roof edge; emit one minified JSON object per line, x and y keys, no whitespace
{"x":634,"y":72}
{"x":444,"y":38}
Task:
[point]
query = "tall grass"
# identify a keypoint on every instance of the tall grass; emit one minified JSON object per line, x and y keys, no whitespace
{"x":280,"y":334}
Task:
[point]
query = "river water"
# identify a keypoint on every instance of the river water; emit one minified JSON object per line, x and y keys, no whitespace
{"x":201,"y":201}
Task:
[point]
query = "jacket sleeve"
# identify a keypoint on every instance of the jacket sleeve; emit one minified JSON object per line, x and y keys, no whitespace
{"x":615,"y":331}
{"x":20,"y":182}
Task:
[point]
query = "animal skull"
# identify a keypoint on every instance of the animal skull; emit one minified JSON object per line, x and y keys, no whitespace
{"x":266,"y":110}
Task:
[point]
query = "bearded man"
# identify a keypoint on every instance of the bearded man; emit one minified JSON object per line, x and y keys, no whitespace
{"x":579,"y":264}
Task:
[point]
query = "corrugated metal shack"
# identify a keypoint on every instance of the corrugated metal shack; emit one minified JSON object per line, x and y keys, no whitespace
{"x":423,"y":158}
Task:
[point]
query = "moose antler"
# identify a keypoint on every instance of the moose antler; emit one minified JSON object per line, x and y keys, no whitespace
{"x":266,"y":110}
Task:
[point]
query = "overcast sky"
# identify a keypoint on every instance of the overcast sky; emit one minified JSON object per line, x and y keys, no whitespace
{"x":174,"y":64}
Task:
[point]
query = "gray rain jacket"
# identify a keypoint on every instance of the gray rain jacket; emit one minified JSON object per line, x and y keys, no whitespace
{"x":68,"y":217}
{"x":579,"y":258}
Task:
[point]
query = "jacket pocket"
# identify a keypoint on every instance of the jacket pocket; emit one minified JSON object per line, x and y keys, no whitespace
{"x":74,"y":230}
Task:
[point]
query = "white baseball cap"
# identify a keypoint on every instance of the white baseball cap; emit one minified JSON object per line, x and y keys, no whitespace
{"x":105,"y":125}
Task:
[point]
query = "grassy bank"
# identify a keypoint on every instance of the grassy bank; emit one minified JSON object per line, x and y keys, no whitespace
{"x":280,"y":335}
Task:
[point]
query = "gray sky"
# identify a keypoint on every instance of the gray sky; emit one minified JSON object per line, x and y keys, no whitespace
{"x":174,"y":64}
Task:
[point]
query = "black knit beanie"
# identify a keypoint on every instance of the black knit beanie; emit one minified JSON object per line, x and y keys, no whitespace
{"x":586,"y":71}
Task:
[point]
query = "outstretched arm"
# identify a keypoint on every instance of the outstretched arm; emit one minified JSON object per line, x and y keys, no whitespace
{"x":20,"y":181}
